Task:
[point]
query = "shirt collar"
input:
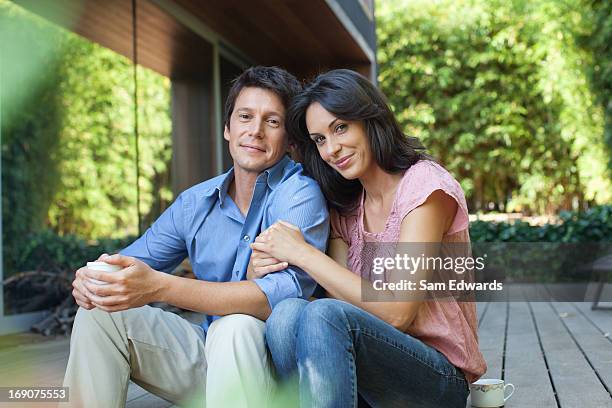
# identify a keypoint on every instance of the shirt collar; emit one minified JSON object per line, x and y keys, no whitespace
{"x":275,"y":173}
{"x":222,"y":185}
{"x":272,"y":176}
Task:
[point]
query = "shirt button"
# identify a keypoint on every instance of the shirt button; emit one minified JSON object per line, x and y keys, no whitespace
{"x":246,"y":238}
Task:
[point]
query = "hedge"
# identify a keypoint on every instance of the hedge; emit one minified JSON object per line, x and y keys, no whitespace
{"x":592,"y":225}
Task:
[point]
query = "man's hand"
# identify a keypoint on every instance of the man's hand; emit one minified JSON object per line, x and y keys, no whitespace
{"x":283,"y":241}
{"x":80,"y":292}
{"x":137,"y":284}
{"x":262,"y":264}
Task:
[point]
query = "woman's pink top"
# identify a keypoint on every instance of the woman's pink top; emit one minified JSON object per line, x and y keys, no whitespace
{"x":447,"y":325}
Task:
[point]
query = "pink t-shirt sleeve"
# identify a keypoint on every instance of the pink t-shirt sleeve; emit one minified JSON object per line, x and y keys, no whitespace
{"x":424,"y":178}
{"x":339,"y":227}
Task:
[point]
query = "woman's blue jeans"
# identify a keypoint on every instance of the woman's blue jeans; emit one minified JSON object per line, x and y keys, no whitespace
{"x":338,"y":351}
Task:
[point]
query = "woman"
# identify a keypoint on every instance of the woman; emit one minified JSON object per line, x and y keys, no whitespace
{"x":381,"y":188}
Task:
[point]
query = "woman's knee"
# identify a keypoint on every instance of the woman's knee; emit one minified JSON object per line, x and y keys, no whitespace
{"x":282,"y":322}
{"x":322,"y":312}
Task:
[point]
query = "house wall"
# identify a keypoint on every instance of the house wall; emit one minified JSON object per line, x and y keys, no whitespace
{"x":167,"y":32}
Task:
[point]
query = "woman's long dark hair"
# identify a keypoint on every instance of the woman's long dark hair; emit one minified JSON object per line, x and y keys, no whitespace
{"x":350,"y":96}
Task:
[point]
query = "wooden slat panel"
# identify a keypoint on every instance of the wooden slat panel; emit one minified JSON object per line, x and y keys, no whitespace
{"x":574,"y":379}
{"x":176,"y":50}
{"x":164,"y":45}
{"x":268,"y":33}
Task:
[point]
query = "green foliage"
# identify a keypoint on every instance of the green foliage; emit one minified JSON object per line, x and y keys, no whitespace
{"x":47,"y":251}
{"x":97,"y":154}
{"x":559,"y":256}
{"x":67,"y":136}
{"x":30,"y":121}
{"x":597,"y":39}
{"x":592,"y":225}
{"x":497,"y":91}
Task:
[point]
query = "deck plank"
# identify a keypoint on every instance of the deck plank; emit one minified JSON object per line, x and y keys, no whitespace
{"x":41,"y":363}
{"x":524,"y":365}
{"x":491,"y":338}
{"x":596,"y":347}
{"x":29,"y":355}
{"x":481,"y":307}
{"x":568,"y":366}
{"x":135,"y":391}
{"x":600,"y":318}
{"x":148,"y":400}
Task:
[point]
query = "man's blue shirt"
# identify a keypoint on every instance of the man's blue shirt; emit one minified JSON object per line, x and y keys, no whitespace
{"x":205,"y":224}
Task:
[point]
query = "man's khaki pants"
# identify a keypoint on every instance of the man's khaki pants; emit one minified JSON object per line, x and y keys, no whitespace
{"x":168,"y":356}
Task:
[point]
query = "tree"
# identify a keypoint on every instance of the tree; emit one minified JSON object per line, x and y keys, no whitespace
{"x":495,"y":93}
{"x":596,"y":39}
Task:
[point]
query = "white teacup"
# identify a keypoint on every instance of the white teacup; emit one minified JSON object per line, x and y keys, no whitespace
{"x":104,"y":267}
{"x":489,"y":393}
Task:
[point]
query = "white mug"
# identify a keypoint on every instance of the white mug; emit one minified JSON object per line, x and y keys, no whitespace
{"x":103,"y":267}
{"x":489,"y":393}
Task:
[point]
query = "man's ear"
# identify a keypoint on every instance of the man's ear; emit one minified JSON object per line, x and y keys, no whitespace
{"x":226,"y":133}
{"x":294,"y":153}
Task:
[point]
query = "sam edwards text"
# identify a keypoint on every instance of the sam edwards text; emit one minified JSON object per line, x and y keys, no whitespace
{"x":451,"y":285}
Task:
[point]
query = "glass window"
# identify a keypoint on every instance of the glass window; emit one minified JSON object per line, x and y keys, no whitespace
{"x":70,"y":185}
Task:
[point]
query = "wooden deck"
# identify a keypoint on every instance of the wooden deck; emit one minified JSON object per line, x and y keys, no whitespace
{"x":556,"y":354}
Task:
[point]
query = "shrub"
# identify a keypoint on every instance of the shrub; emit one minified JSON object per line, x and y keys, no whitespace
{"x":45,"y":250}
{"x":592,"y":225}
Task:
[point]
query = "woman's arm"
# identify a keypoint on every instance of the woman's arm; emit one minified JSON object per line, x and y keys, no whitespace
{"x":427,"y":224}
{"x":338,"y":251}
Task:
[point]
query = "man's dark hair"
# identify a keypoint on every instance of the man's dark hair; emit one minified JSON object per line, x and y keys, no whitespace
{"x":350,"y":96}
{"x":274,"y":79}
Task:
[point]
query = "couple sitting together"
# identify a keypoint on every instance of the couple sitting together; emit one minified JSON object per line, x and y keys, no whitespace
{"x":257,"y":238}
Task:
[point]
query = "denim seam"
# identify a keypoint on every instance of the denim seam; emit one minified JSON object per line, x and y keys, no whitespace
{"x":390,"y":342}
{"x":334,"y":326}
{"x":353,"y":377}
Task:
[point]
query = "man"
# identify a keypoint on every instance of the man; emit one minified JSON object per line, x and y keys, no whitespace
{"x":117,"y":337}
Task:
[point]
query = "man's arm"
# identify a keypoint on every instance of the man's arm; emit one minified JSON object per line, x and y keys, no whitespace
{"x":162,"y":246}
{"x":160,"y":249}
{"x":306,"y":207}
{"x":216,"y":298}
{"x":303,"y":205}
{"x":138,"y":284}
